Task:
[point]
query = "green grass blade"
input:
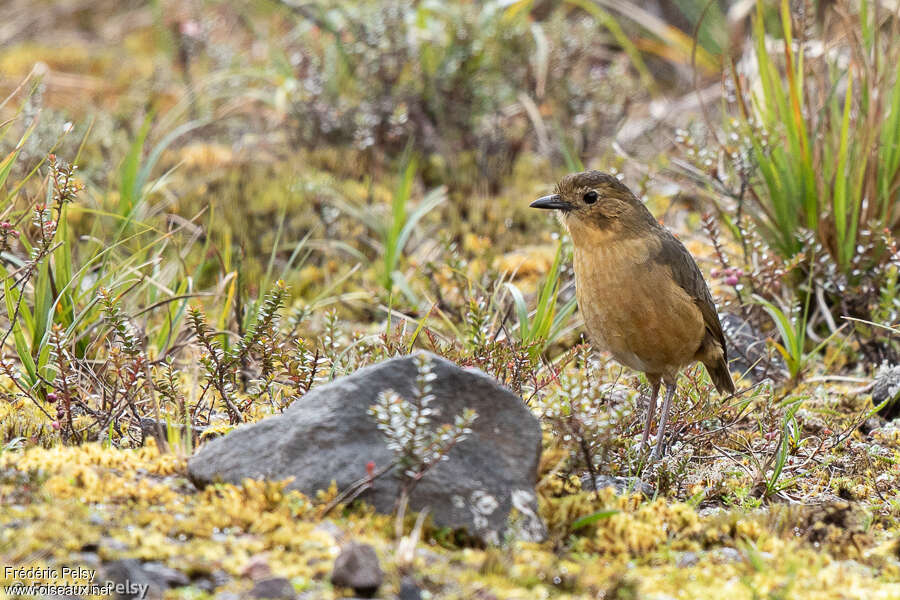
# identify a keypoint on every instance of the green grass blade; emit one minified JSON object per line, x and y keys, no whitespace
{"x":839,"y":201}
{"x":593,"y":518}
{"x":128,"y":172}
{"x":521,"y":311}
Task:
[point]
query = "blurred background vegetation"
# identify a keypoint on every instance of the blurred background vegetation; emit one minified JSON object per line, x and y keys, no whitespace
{"x":209,"y":207}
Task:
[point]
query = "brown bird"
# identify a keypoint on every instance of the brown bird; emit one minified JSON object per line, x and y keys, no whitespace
{"x":642,"y":296}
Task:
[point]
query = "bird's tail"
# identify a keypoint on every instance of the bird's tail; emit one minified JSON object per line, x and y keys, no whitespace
{"x":720,"y":375}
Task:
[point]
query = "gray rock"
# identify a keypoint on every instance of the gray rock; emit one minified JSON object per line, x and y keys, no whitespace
{"x":329,"y":435}
{"x":111,"y":545}
{"x":357,"y":567}
{"x":132,"y":572}
{"x":409,"y":590}
{"x":622,"y":485}
{"x":330,"y":528}
{"x":748,"y":351}
{"x":166,"y":575}
{"x":212,"y":581}
{"x":278,"y":588}
{"x":688,"y":559}
{"x":727,"y":555}
{"x":887,"y":387}
{"x":85,"y":559}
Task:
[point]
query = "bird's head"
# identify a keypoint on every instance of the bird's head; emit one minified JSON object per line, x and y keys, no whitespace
{"x":596,"y":201}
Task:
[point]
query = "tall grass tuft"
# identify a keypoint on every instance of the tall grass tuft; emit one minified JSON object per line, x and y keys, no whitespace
{"x":539,"y":328}
{"x":822,"y":131}
{"x":392,"y":231}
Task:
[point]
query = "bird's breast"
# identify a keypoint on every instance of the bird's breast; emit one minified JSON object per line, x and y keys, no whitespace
{"x":633,"y":308}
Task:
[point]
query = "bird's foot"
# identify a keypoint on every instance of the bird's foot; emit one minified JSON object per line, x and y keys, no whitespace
{"x":659,"y":450}
{"x":655,"y":455}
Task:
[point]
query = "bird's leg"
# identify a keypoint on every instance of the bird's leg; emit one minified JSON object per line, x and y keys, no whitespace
{"x":670,"y":393}
{"x":651,"y":410}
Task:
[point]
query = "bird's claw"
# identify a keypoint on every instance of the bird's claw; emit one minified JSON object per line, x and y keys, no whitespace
{"x":659,"y":450}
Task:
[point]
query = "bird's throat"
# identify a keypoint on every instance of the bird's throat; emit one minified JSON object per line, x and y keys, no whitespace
{"x":595,"y":233}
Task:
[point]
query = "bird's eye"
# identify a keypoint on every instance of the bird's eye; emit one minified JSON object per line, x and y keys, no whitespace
{"x":590,"y":197}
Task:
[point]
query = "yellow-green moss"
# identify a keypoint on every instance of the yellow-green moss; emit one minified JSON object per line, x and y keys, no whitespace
{"x":82,"y":495}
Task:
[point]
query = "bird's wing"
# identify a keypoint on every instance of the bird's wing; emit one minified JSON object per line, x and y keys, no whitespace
{"x":687,"y":274}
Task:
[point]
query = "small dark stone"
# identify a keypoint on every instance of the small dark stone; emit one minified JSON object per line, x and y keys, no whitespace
{"x":887,"y":387}
{"x":129,"y":573}
{"x":409,"y":590}
{"x":277,"y":588}
{"x":166,"y":575}
{"x":357,"y":567}
{"x":217,"y":579}
{"x":133,"y":573}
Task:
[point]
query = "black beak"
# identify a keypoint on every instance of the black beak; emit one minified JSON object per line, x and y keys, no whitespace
{"x":552,"y":202}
